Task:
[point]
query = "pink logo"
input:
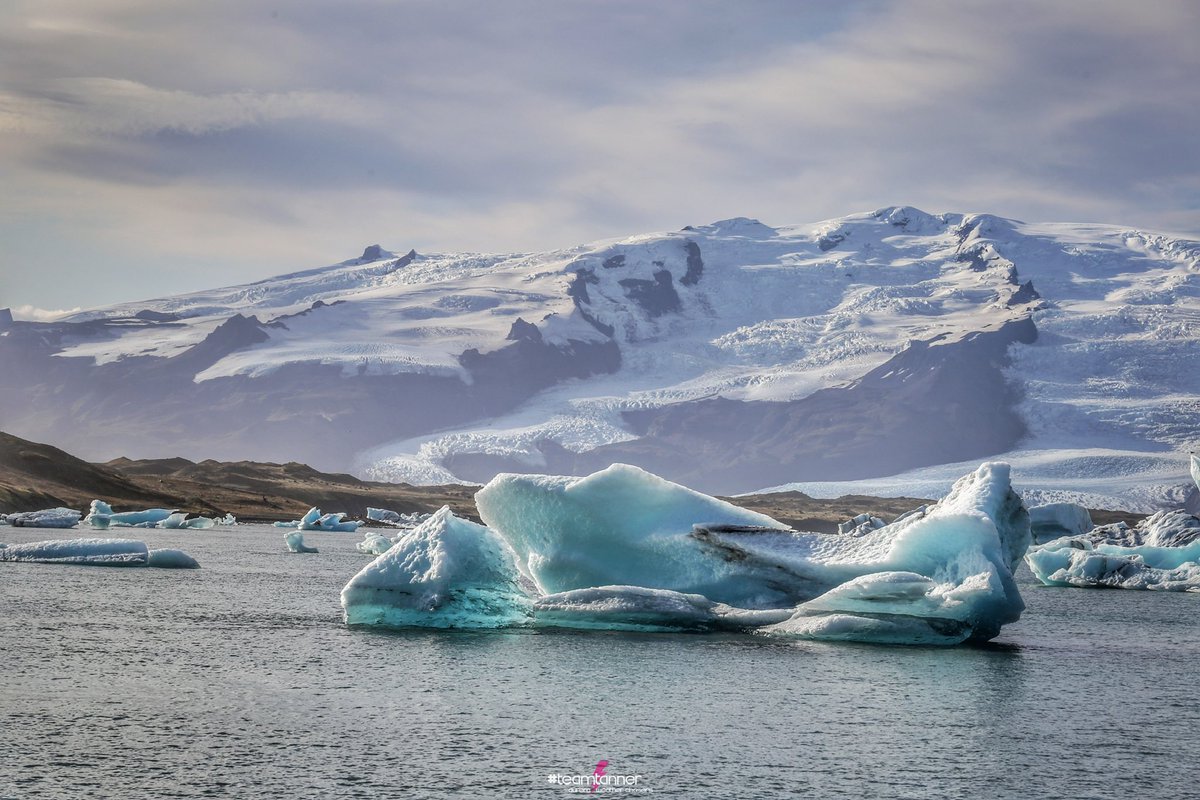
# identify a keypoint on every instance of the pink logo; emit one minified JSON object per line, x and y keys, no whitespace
{"x":601,"y":766}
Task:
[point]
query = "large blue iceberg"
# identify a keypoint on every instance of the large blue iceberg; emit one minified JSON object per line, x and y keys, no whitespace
{"x":1161,"y":553}
{"x":624,"y":549}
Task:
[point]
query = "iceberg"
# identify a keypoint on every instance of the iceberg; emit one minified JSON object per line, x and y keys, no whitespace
{"x":941,"y":575}
{"x":47,"y":518}
{"x":1056,"y":520}
{"x":314,"y":520}
{"x":179,"y":520}
{"x":375,"y":544}
{"x":228,"y":519}
{"x":102,"y":516}
{"x":1160,"y":553}
{"x":396,"y":519}
{"x":97,"y":552}
{"x":295,"y":543}
{"x":447,"y":572}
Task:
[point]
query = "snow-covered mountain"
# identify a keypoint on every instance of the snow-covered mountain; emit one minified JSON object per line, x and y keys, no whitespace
{"x":729,"y":356}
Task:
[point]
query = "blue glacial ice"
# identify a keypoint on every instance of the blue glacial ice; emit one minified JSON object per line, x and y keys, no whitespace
{"x":102,"y":517}
{"x":314,"y":520}
{"x":445,"y":573}
{"x":1160,"y":553}
{"x":624,"y":549}
{"x":97,"y":552}
{"x":179,"y":520}
{"x":295,"y":543}
{"x":46,"y":518}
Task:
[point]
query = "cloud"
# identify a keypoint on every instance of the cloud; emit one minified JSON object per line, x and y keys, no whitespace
{"x":226,"y":141}
{"x":31,"y":313}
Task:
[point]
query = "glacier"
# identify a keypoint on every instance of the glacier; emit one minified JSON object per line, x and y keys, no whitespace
{"x":1160,"y":553}
{"x":97,"y":552}
{"x":314,"y":520}
{"x":445,"y":573}
{"x":623,"y":549}
{"x":46,"y":518}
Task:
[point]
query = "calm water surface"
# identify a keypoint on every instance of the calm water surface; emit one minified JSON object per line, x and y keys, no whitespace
{"x":239,"y":680}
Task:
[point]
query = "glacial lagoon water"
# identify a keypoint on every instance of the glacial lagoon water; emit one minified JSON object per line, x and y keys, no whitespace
{"x":239,"y":680}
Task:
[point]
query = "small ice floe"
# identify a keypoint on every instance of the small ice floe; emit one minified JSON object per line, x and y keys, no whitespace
{"x":97,"y":552}
{"x":101,"y":516}
{"x":314,"y":520}
{"x":46,"y":518}
{"x":179,"y":520}
{"x":295,"y":543}
{"x":375,"y":544}
{"x":396,"y":519}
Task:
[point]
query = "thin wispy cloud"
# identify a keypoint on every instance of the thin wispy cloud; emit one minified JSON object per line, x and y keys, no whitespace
{"x":148,"y":149}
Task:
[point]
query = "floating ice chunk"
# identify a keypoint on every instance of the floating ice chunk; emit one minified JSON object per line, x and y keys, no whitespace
{"x":47,"y":518}
{"x":228,"y":519}
{"x":180,"y":520}
{"x":100,"y":552}
{"x":396,"y":519}
{"x":857,"y":526}
{"x":1055,"y":520}
{"x":445,"y":573}
{"x":102,"y":516}
{"x":314,"y":520}
{"x":1161,"y":553}
{"x":166,"y":558}
{"x":382,"y":515}
{"x":623,"y":526}
{"x":940,"y":578}
{"x":295,"y":543}
{"x":374,"y":544}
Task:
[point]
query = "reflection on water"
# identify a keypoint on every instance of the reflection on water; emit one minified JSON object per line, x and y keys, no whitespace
{"x":239,"y":680}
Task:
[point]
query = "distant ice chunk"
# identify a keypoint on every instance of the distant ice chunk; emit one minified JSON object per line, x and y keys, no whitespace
{"x":445,"y":573}
{"x":227,"y":520}
{"x":382,"y":515}
{"x":1055,"y":520}
{"x":179,"y":520}
{"x":1162,"y":553}
{"x":314,"y":520}
{"x":102,"y":516}
{"x":295,"y":543}
{"x":375,"y":544}
{"x":46,"y":518}
{"x":859,"y":525}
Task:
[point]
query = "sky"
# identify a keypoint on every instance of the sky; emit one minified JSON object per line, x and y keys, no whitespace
{"x":150,"y":147}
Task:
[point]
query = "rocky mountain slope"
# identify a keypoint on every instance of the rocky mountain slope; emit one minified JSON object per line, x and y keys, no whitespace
{"x":729,"y":356}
